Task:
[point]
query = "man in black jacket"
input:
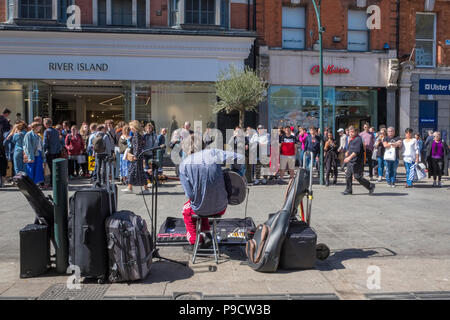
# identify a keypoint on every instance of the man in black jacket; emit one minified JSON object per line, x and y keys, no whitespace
{"x":354,"y":158}
{"x":4,"y":127}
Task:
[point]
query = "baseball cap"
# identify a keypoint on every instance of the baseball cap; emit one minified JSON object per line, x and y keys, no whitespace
{"x":340,"y":130}
{"x":260,"y":126}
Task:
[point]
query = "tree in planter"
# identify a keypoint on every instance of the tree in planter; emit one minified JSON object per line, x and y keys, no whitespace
{"x":239,"y":90}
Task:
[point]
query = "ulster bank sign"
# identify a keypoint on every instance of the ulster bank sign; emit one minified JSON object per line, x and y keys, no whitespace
{"x":434,"y":87}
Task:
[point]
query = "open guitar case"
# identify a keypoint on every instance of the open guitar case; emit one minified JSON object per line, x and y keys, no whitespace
{"x":283,"y":240}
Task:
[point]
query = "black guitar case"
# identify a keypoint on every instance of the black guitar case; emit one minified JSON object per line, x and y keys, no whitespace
{"x":264,"y":250}
{"x":42,"y":205}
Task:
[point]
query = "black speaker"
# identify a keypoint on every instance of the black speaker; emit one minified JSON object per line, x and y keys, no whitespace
{"x":34,"y":250}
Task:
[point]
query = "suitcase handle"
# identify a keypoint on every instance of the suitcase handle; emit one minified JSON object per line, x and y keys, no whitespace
{"x":85,"y":234}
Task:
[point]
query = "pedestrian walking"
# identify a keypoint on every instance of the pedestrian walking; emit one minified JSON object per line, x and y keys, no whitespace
{"x":287,"y":153}
{"x":136,"y":174}
{"x":75,"y":147}
{"x":355,"y":163}
{"x":331,"y":159}
{"x":5,"y":126}
{"x":341,"y":149}
{"x":33,"y":155}
{"x":260,"y":146}
{"x":410,"y":151}
{"x":124,"y":144}
{"x":18,"y":140}
{"x":379,"y":147}
{"x":52,"y":145}
{"x":369,"y":141}
{"x":392,"y":145}
{"x":301,"y":138}
{"x":312,"y":145}
{"x":437,"y":158}
{"x":84,"y":132}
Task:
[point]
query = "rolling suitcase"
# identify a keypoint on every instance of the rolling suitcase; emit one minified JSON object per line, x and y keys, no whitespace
{"x":34,"y":250}
{"x":89,"y":209}
{"x":299,"y":247}
{"x":130,"y":247}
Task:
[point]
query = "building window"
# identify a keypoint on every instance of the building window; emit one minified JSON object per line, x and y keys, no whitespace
{"x":36,"y":9}
{"x":200,"y":12}
{"x":141,"y":13}
{"x":358,"y":33}
{"x":174,"y":12}
{"x":425,"y":39}
{"x":225,"y":13}
{"x":101,"y":11}
{"x":122,"y":12}
{"x":293,"y":25}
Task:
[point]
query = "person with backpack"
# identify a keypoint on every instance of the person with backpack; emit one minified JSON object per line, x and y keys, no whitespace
{"x":103,"y":148}
{"x":75,"y":147}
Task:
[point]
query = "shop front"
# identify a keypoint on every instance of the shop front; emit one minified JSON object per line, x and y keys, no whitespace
{"x":90,"y":77}
{"x":354,"y":88}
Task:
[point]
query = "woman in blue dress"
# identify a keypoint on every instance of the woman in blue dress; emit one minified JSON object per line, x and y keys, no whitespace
{"x":33,"y":153}
{"x":18,"y":140}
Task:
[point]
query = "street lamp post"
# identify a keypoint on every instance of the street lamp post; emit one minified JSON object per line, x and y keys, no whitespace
{"x":321,"y":30}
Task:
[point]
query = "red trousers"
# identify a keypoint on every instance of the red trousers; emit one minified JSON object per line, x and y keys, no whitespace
{"x":190,"y":222}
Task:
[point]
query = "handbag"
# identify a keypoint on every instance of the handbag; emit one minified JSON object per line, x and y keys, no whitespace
{"x":390,"y":154}
{"x":129,"y":156}
{"x":374,"y":154}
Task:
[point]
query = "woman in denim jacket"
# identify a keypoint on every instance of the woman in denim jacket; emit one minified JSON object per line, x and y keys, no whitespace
{"x":33,"y":153}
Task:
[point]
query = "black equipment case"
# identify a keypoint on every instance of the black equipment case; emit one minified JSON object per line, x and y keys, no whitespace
{"x":230,"y":231}
{"x":34,"y":250}
{"x":89,"y":209}
{"x":299,"y":247}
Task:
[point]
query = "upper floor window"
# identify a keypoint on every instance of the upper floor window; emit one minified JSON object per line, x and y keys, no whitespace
{"x":101,"y":11}
{"x":200,"y":11}
{"x":425,"y":39}
{"x":122,"y":12}
{"x":293,"y":27}
{"x":358,"y":33}
{"x":35,"y":9}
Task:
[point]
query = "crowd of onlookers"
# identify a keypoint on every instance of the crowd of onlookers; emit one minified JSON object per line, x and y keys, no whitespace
{"x":31,"y":148}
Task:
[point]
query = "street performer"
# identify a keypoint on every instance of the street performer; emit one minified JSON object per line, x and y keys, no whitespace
{"x":202,"y":179}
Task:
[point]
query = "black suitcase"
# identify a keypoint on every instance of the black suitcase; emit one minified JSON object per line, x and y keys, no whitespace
{"x":87,"y":237}
{"x":299,"y":247}
{"x":34,"y":250}
{"x":89,"y":209}
{"x":42,"y":205}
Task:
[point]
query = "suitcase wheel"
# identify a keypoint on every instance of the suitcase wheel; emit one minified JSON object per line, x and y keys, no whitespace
{"x":322,"y":251}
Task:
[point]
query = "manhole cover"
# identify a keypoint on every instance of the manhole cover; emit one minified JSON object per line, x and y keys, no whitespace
{"x":86,"y":292}
{"x":187,"y":296}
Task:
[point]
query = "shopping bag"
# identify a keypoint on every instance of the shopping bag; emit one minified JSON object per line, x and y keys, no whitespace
{"x":421,"y":171}
{"x":389,"y":154}
{"x":374,"y":154}
{"x":91,"y":163}
{"x":412,"y":173}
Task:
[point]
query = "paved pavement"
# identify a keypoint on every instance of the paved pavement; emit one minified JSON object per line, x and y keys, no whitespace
{"x":401,"y":235}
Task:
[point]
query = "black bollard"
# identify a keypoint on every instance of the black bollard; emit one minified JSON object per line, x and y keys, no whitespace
{"x":60,"y":199}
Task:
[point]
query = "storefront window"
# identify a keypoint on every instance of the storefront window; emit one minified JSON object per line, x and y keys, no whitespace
{"x":299,"y":106}
{"x":12,"y":97}
{"x":174,"y":103}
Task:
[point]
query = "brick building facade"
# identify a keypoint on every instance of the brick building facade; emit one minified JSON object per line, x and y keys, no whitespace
{"x":129,"y":59}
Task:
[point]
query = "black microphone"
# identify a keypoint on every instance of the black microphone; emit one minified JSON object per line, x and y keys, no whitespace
{"x":163,"y":146}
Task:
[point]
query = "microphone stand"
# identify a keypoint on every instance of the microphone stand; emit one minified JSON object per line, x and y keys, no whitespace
{"x":154,"y":209}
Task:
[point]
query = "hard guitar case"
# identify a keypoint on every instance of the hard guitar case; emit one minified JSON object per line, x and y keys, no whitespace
{"x":264,"y":249}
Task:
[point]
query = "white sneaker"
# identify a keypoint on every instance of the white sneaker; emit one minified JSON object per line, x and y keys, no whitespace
{"x":380,"y":179}
{"x":126,"y":190}
{"x":393,"y":185}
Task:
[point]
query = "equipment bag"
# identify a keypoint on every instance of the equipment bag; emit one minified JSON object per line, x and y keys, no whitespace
{"x":41,"y":205}
{"x":264,"y":249}
{"x":130,"y":247}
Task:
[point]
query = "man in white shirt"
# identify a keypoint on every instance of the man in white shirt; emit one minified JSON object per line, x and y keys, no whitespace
{"x":341,"y":151}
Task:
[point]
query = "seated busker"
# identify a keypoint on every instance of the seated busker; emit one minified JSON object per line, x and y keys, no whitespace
{"x":202,"y":179}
